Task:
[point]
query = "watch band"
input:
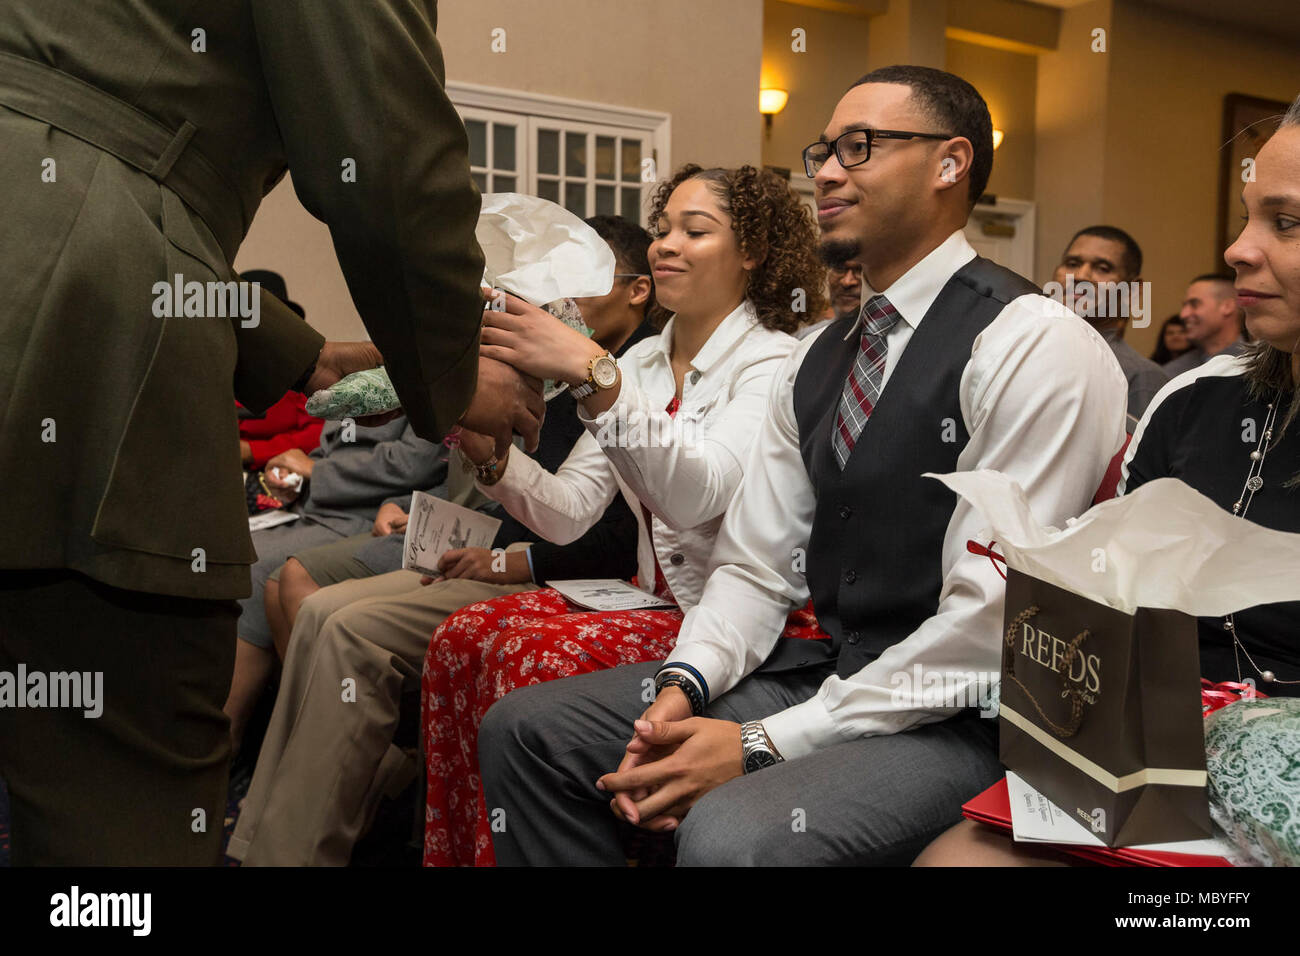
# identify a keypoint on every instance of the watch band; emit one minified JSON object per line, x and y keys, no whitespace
{"x":590,"y":386}
{"x":757,"y":750}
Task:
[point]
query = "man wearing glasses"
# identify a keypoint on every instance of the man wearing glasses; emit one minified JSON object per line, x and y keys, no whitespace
{"x":858,"y":749}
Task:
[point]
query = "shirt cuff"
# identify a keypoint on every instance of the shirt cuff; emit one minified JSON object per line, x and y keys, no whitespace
{"x":802,"y":729}
{"x":707,"y":662}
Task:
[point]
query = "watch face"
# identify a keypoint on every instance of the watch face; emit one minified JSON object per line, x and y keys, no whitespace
{"x":604,"y":372}
{"x":758,"y":759}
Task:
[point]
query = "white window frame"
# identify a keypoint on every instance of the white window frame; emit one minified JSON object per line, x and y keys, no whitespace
{"x":531,"y":111}
{"x":523,"y":144}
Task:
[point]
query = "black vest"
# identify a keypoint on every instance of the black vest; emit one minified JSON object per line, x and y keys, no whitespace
{"x":875,"y":553}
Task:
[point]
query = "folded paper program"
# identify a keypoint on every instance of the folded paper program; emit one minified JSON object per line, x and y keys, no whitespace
{"x":1163,"y":546}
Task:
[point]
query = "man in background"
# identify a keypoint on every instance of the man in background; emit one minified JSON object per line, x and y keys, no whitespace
{"x":1097,"y":258}
{"x":1213,"y":321}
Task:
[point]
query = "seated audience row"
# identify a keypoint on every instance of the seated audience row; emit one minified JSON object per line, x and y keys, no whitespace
{"x":750,"y":477}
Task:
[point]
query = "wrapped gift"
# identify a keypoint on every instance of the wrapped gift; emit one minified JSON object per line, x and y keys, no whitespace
{"x":1252,"y":752}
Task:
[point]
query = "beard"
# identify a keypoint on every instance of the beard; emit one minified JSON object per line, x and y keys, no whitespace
{"x":836,"y":253}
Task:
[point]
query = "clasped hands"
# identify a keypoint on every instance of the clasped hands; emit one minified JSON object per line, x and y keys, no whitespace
{"x":672,"y":761}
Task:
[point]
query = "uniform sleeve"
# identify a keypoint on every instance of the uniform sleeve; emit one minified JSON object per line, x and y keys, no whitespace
{"x":378,"y":153}
{"x":273,"y":354}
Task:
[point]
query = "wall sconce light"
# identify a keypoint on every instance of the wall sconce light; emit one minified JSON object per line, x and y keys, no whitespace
{"x":771,"y":102}
{"x":997,"y":137}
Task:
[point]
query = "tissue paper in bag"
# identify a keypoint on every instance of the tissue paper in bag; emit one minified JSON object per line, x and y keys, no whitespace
{"x":1100,"y":690}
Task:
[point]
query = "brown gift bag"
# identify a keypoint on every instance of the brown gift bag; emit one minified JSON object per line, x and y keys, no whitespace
{"x":1100,"y":711}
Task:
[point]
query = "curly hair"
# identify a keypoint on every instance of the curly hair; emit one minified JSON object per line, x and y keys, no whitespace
{"x":771,"y":226}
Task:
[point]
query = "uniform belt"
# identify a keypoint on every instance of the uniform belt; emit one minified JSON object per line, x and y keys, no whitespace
{"x":115,"y":126}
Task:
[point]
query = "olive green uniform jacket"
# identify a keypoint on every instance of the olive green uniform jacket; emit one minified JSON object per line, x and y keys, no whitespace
{"x":137,"y":138}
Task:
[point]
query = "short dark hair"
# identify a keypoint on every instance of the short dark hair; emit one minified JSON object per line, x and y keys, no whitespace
{"x":956,"y":106}
{"x":1225,"y":277}
{"x":631,"y":246}
{"x":1132,"y":251}
{"x":1216,"y":277}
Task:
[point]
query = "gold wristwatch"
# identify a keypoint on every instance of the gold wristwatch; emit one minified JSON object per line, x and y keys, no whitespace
{"x":602,"y":373}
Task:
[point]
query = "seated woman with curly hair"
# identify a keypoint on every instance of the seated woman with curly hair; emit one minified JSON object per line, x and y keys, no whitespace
{"x":668,"y":427}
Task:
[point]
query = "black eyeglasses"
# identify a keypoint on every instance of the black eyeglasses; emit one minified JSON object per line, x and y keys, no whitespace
{"x":854,"y":147}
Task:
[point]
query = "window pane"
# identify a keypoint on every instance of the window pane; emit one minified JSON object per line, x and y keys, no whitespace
{"x":631,"y":161}
{"x":503,"y":146}
{"x":575,"y":154}
{"x":606,"y":154}
{"x":605,"y":200}
{"x":477,"y":130}
{"x":503,"y":184}
{"x":575,"y":198}
{"x":548,"y":151}
{"x":632,"y":204}
{"x":480,"y":180}
{"x":548,"y":189}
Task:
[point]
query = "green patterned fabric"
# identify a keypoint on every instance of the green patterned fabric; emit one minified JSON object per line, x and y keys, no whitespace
{"x":1252,"y":751}
{"x":362,"y":393}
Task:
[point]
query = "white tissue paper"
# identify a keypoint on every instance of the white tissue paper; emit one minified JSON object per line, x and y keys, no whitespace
{"x":1164,"y":546}
{"x":540,"y":251}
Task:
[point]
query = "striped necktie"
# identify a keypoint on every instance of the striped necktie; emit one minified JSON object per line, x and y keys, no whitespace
{"x":862,"y":389}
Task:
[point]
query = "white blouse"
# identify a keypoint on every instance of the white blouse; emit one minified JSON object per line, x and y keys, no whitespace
{"x":684,"y":469}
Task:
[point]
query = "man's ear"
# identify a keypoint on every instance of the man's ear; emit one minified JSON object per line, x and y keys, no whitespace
{"x":639,"y":291}
{"x":955,"y":158}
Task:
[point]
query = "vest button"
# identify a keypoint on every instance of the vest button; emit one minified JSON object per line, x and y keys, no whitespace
{"x":677,"y":558}
{"x":850,"y":576}
{"x":846,"y":512}
{"x":853,"y":637}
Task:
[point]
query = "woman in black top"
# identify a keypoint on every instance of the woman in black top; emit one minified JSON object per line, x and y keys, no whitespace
{"x":1216,"y":428}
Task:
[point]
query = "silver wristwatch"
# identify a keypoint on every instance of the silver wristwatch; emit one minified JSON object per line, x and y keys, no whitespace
{"x":757,"y":750}
{"x":602,"y":373}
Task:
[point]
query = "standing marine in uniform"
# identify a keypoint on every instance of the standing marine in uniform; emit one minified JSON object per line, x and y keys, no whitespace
{"x":137,"y":138}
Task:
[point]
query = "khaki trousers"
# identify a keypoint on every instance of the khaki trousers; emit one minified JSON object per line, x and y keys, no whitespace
{"x":328,"y":756}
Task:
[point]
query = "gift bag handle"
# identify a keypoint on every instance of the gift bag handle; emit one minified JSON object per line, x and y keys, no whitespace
{"x":1076,"y":696}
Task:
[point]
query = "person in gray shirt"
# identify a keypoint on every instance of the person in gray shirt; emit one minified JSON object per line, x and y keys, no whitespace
{"x":1213,"y":321}
{"x":1097,"y":257}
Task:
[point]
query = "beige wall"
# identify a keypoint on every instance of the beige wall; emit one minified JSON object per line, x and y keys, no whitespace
{"x":1169,"y":75}
{"x":697,"y":61}
{"x":1008,"y":82}
{"x":1069,"y":161}
{"x":836,"y":56}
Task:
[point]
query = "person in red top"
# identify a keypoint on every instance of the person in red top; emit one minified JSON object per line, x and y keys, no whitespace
{"x":286,"y":424}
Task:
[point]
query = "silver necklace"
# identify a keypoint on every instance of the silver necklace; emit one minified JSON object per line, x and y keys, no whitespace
{"x":1254,"y":482}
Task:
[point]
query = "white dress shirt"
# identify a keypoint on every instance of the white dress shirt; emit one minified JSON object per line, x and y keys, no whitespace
{"x":1043,"y":402}
{"x":685,"y":470}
